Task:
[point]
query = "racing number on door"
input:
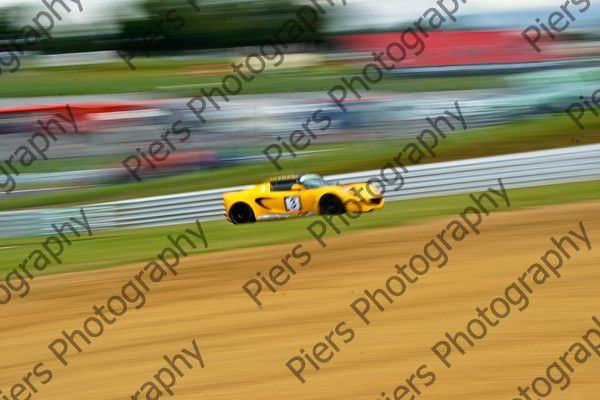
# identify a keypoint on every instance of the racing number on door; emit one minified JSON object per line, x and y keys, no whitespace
{"x":292,"y":203}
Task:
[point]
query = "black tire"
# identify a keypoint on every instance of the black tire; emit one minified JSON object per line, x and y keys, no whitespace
{"x":331,"y":205}
{"x":241,"y":213}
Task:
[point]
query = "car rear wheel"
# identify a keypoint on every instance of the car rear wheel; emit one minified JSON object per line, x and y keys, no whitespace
{"x":241,"y":214}
{"x":331,"y":205}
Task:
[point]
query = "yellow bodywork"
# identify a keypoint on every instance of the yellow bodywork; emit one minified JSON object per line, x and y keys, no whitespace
{"x":286,"y":197}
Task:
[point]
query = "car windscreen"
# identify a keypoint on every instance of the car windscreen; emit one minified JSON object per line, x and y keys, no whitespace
{"x":314,"y":182}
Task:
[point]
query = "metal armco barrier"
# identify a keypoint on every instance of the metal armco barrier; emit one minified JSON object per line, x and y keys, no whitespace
{"x":572,"y":164}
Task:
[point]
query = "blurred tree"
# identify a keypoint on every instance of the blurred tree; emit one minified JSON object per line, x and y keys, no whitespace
{"x":216,"y":25}
{"x":7,"y":18}
{"x":177,"y":26}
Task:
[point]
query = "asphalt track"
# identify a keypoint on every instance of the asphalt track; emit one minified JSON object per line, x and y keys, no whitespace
{"x":245,"y":348}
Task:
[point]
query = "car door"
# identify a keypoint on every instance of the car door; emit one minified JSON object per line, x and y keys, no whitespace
{"x":278,"y":199}
{"x":289,"y":202}
{"x":297,"y":202}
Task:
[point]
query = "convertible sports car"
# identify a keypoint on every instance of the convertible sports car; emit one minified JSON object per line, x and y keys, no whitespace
{"x":299,"y":196}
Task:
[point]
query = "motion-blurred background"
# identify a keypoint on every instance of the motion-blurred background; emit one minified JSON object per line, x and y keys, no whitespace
{"x":513,"y":97}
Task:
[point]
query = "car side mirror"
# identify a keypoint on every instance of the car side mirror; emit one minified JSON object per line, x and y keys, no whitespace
{"x":298,"y":186}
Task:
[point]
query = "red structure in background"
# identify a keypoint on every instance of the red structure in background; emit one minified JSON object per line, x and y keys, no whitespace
{"x":458,"y":48}
{"x":90,"y":117}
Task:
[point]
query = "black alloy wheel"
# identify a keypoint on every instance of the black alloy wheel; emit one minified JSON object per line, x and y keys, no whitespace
{"x":331,"y":205}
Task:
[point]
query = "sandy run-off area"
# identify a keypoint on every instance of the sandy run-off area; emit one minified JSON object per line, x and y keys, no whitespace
{"x":244,"y":348}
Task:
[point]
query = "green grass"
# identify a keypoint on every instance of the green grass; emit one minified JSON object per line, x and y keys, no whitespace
{"x":107,"y":249}
{"x":73,"y":163}
{"x":172,"y":75}
{"x":552,"y":132}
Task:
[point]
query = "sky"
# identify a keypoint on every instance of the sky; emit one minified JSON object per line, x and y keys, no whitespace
{"x":362,"y":13}
{"x":391,"y":11}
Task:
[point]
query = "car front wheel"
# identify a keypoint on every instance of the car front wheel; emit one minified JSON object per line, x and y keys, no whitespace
{"x":331,"y":205}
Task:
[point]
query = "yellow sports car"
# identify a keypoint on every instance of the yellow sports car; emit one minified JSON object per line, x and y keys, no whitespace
{"x":299,"y":196}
